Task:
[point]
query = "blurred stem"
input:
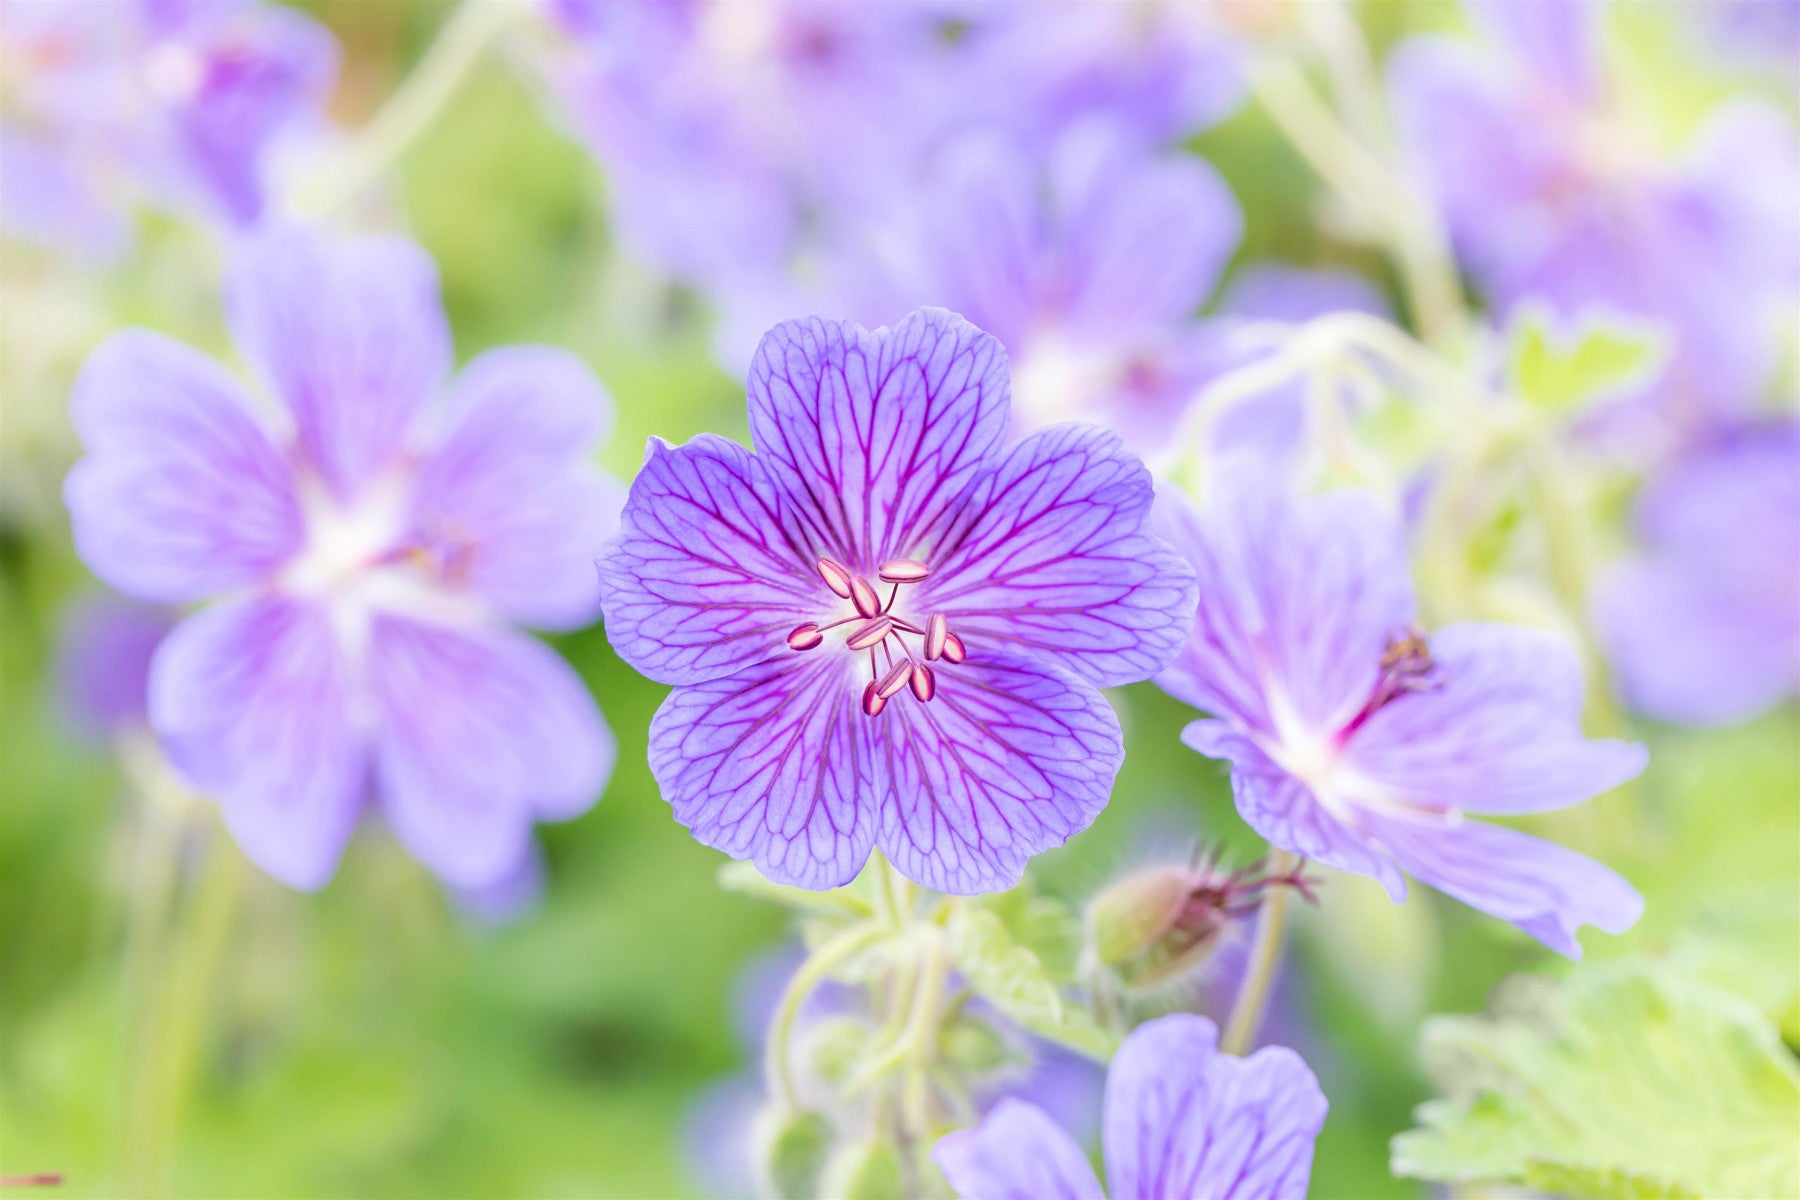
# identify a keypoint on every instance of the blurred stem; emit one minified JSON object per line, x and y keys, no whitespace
{"x":447,"y":64}
{"x":1265,"y":956}
{"x":177,"y":1018}
{"x":778,"y":1060}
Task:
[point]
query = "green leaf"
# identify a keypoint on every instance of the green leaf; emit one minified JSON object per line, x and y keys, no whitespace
{"x":1011,"y":977}
{"x":1560,"y":371}
{"x":1624,"y":1080}
{"x":746,"y":880}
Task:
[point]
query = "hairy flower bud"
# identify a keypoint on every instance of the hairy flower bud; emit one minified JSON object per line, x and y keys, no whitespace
{"x":870,"y":1170}
{"x":791,"y":1149}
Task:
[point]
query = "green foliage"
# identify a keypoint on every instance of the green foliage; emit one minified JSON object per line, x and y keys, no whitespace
{"x":1013,"y":978}
{"x":1624,"y":1080}
{"x":1559,"y":372}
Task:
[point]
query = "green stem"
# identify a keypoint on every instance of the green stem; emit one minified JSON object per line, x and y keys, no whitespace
{"x":778,"y":1061}
{"x":1265,"y":954}
{"x":449,"y":62}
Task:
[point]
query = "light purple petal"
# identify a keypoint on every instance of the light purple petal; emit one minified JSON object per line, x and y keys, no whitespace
{"x":1557,"y":39}
{"x":103,"y":662}
{"x":1183,"y":1120}
{"x":480,"y":732}
{"x":773,"y":764}
{"x":350,"y":334}
{"x":1296,"y":598}
{"x":181,"y":493}
{"x":252,"y":700}
{"x":1054,"y":561}
{"x":1543,"y":888}
{"x":873,"y":435}
{"x":704,"y":578}
{"x":1016,"y":1153}
{"x":1286,"y":812}
{"x":1012,"y":757}
{"x":1500,"y":733}
{"x":509,"y":503}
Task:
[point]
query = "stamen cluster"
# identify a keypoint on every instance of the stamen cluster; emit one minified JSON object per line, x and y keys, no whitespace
{"x":880,"y":628}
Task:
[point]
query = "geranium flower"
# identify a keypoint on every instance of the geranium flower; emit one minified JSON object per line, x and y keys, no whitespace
{"x":181,"y":102}
{"x":363,"y":549}
{"x":886,"y":626}
{"x":1704,"y":629}
{"x":1359,"y":742}
{"x":1181,"y":1121}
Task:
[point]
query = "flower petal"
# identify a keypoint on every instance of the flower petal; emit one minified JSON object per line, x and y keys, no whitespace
{"x":1183,"y":1119}
{"x":872,"y":436}
{"x":1054,"y":561}
{"x":773,"y":764}
{"x":1286,"y":812}
{"x":510,"y":501}
{"x":349,"y":333}
{"x":1016,"y":1153}
{"x":181,"y":494}
{"x":704,"y":579}
{"x":252,"y":700}
{"x":479,"y":732}
{"x":1011,"y":758}
{"x":1501,"y":733}
{"x":1545,"y":889}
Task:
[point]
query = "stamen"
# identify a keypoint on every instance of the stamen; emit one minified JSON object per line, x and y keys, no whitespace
{"x":805,"y":637}
{"x":864,"y":597}
{"x":873,"y":701}
{"x":894,"y":680}
{"x":903,"y":624}
{"x":924,"y":682}
{"x":837,"y":577}
{"x":869,"y":633}
{"x":904,"y":570}
{"x":954,"y":651}
{"x":937,"y":629}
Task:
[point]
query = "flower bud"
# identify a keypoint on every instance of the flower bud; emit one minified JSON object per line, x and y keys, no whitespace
{"x":833,"y":1046}
{"x":791,"y":1151}
{"x":974,"y":1049}
{"x":868,"y":1170}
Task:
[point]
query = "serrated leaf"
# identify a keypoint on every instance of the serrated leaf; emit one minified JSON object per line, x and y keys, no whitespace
{"x":1562,"y":371}
{"x":1012,"y":978}
{"x":1047,"y":927}
{"x":744,"y":879}
{"x":1624,"y":1080}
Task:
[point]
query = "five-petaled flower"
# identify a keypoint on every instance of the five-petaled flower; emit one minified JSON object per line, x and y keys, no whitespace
{"x":1181,"y":1121}
{"x":1359,"y":742}
{"x":367,"y":540}
{"x":886,"y":626}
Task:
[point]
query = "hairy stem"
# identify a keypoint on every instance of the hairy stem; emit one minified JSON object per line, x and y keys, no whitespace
{"x":778,"y":1061}
{"x":1265,"y":956}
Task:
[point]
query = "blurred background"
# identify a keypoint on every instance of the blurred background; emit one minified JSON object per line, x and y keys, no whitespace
{"x":385,"y":1038}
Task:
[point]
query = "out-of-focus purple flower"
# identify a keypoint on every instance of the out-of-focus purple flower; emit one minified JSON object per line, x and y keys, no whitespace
{"x":1356,"y":742}
{"x":368,"y":548}
{"x":1554,"y":191}
{"x":103,"y":663}
{"x":1704,"y":629}
{"x":886,"y":626}
{"x":1088,"y":262}
{"x":1181,"y":1120}
{"x":176,"y":102}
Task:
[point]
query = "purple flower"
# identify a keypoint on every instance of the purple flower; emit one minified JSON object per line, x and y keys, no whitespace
{"x":103,"y":662}
{"x":1554,"y":190}
{"x":364,"y":542}
{"x":1182,"y":1120}
{"x":180,"y":102}
{"x":1704,"y":629}
{"x":1357,"y":742}
{"x":886,"y":626}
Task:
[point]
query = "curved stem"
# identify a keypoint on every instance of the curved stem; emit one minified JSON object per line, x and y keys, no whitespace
{"x":778,"y":1062}
{"x":452,"y":57}
{"x":1265,"y":955}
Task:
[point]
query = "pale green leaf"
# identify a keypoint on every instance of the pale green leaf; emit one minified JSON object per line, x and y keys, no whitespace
{"x":1011,"y":977}
{"x":1624,"y":1080}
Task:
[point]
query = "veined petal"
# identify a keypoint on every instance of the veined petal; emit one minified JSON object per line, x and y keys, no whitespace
{"x":182,"y":494}
{"x":1016,"y":1153}
{"x":1500,"y":733}
{"x":773,"y":764}
{"x":509,"y":502}
{"x":252,"y":701}
{"x":351,"y":336}
{"x":479,"y":732}
{"x":1183,"y":1120}
{"x":1286,"y":812}
{"x":872,"y":436}
{"x":1545,"y":889}
{"x":703,"y":579}
{"x":1011,"y":758}
{"x":1054,"y":561}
